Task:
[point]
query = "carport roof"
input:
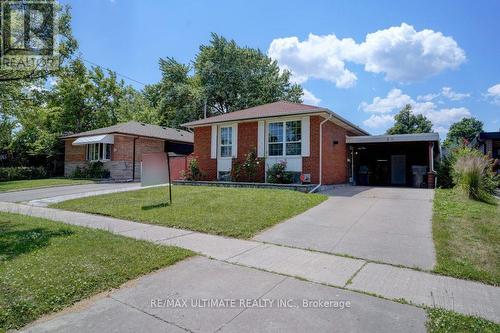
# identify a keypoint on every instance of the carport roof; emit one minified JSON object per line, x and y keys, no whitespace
{"x":420,"y":137}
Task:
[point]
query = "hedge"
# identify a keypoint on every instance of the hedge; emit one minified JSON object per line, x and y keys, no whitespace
{"x":19,"y":173}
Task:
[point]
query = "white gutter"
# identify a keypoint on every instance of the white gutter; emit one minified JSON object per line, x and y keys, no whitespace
{"x":320,"y":153}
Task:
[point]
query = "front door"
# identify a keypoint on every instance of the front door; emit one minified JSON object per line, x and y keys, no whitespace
{"x":398,"y":169}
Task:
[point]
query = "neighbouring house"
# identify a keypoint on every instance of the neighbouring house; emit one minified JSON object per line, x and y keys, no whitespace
{"x":120,"y":148}
{"x":314,"y":142}
{"x":489,"y":144}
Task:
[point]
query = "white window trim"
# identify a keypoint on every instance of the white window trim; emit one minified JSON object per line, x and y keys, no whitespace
{"x":219,"y":142}
{"x":284,"y":142}
{"x":87,"y":147}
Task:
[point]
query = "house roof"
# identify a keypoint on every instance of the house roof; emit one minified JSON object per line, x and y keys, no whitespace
{"x":430,"y":137}
{"x":489,"y":135}
{"x":276,"y":109}
{"x":140,"y":129}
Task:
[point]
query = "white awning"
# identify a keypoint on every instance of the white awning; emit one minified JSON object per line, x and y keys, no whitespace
{"x":87,"y":140}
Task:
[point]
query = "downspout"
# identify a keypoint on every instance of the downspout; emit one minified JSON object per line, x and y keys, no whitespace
{"x":133,"y":161}
{"x":320,"y":154}
{"x":431,"y":166}
{"x":432,"y":157}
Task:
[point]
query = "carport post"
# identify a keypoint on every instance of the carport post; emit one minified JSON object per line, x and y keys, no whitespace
{"x":431,"y":175}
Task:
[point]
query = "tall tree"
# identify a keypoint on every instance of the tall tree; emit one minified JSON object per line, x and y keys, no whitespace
{"x":135,"y":105}
{"x":180,"y":94}
{"x":405,"y":122}
{"x":464,"y":130}
{"x":225,"y":78}
{"x":235,"y":77}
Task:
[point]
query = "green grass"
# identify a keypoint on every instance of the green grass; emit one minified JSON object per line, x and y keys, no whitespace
{"x":467,"y":237}
{"x":46,"y":266}
{"x":442,"y":321}
{"x":232,"y":212}
{"x":13,"y":185}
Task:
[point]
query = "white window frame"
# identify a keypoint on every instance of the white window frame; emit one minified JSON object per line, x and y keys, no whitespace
{"x":230,"y":144}
{"x":284,"y":141}
{"x":98,"y":145}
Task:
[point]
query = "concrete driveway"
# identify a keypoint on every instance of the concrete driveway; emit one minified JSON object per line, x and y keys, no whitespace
{"x":392,"y":225}
{"x":149,"y":305}
{"x":60,"y":191}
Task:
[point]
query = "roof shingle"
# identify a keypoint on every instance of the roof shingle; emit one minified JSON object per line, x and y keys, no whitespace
{"x":276,"y":109}
{"x":141,"y":129}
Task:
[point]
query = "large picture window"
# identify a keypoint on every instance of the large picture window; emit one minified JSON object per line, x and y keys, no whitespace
{"x":98,"y":152}
{"x":226,"y":142}
{"x":285,"y":138}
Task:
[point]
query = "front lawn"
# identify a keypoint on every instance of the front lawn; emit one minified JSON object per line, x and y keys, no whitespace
{"x":46,"y":266}
{"x":232,"y":212}
{"x":13,"y":185}
{"x":442,"y":321}
{"x":467,"y":237}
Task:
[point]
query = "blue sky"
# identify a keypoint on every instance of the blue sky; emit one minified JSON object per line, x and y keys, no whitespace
{"x":362,"y":59}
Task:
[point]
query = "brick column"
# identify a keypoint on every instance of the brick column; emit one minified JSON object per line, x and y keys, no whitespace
{"x":431,"y":179}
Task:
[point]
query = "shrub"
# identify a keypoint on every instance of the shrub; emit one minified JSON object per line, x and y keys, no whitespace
{"x":277,"y":174}
{"x":248,"y":169}
{"x":251,"y":165}
{"x":472,"y":172}
{"x":444,"y":172}
{"x":193,"y":171}
{"x":20,"y":173}
{"x":92,"y":170}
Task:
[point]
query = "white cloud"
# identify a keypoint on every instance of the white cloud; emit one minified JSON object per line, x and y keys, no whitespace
{"x":395,"y":100}
{"x":494,"y":94}
{"x":388,"y":106}
{"x":309,"y":98}
{"x":406,"y":55}
{"x":401,"y":53}
{"x":379,"y":121}
{"x":452,"y":95}
{"x":446,"y":92}
{"x":446,"y":117}
{"x":427,"y":98}
{"x":319,"y":57}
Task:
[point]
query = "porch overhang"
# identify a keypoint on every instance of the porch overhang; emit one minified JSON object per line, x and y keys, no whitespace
{"x":421,"y":137}
{"x":87,"y":140}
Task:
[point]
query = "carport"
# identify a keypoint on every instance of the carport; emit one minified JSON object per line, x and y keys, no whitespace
{"x":405,"y":160}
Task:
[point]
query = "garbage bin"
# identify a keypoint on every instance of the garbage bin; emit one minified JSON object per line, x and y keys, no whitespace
{"x":419,"y":172}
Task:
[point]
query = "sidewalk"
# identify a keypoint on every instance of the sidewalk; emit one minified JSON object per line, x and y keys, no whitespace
{"x":419,"y":288}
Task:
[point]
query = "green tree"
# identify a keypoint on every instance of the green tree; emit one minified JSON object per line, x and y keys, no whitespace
{"x":235,"y":78}
{"x":181,"y":97}
{"x":225,"y":78}
{"x":464,"y":130}
{"x":405,"y":122}
{"x":134,"y":105}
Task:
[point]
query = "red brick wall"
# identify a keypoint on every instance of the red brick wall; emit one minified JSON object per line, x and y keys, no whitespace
{"x":143,"y":145}
{"x":202,"y":149}
{"x":334,"y":156}
{"x":247,"y":141}
{"x":178,"y":165}
{"x":73,"y":153}
{"x":311,"y":164}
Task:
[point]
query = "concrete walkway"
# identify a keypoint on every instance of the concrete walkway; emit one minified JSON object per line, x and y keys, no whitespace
{"x":390,"y":282}
{"x":68,"y":191}
{"x":140,"y":306}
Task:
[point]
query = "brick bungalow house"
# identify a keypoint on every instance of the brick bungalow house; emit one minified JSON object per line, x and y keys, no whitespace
{"x":119,"y":145}
{"x":311,"y":139}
